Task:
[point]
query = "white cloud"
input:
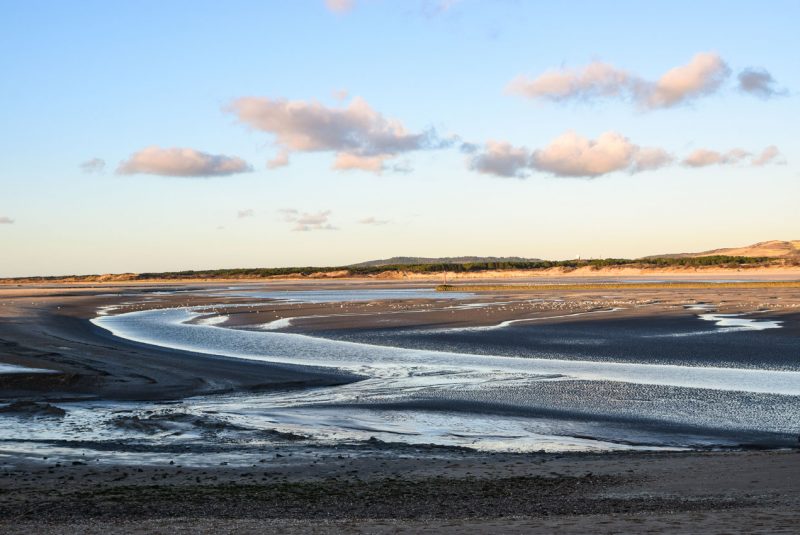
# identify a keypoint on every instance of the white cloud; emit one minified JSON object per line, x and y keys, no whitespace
{"x":357,"y":133}
{"x":304,"y":222}
{"x":181,"y":162}
{"x":340,"y":6}
{"x":248,"y":212}
{"x":759,"y":82}
{"x":95,"y":165}
{"x":5,"y":220}
{"x":703,"y":75}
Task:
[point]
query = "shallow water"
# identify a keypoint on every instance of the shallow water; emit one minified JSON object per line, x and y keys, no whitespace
{"x":344,"y":296}
{"x":513,"y":387}
{"x":12,"y":368}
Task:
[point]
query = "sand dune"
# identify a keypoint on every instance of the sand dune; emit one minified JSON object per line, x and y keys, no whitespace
{"x":770,"y":249}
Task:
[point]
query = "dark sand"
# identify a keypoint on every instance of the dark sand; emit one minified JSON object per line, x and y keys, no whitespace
{"x":50,"y":329}
{"x":408,"y":490}
{"x":373,"y":488}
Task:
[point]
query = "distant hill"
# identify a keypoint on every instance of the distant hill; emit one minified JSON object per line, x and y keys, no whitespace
{"x":765,"y":254}
{"x":417,"y":260}
{"x":764,"y":249}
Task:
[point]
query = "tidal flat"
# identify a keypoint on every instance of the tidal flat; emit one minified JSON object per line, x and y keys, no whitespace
{"x":544,"y":403}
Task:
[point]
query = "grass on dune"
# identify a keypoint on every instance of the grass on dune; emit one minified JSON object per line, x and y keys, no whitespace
{"x":614,"y":286}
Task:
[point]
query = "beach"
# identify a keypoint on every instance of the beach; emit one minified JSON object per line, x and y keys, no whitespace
{"x":180,"y":468}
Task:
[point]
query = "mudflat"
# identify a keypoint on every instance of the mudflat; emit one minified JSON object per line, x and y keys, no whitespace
{"x":292,"y":485}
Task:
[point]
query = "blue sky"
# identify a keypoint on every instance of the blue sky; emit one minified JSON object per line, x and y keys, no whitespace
{"x":108,"y":80}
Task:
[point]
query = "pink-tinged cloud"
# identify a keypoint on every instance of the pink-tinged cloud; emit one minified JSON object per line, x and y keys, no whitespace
{"x":570,"y":155}
{"x":5,"y":220}
{"x":345,"y":162}
{"x":706,"y":157}
{"x":594,"y":80}
{"x":501,"y":159}
{"x":181,"y":162}
{"x":703,"y":75}
{"x":770,"y":154}
{"x":356,"y":130}
{"x":573,"y":155}
{"x":304,"y":222}
{"x":340,"y":6}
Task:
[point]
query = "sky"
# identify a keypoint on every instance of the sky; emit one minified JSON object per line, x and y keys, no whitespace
{"x":142,"y":136}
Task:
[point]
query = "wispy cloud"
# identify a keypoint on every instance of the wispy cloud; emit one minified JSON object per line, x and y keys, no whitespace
{"x":346,"y":161}
{"x":702,"y":75}
{"x":280,"y":160}
{"x":592,"y":81}
{"x":5,"y":220}
{"x":305,"y":221}
{"x":360,"y":137}
{"x":340,"y":6}
{"x":759,"y":82}
{"x":770,"y":154}
{"x":288,"y":214}
{"x":182,"y":162}
{"x":340,"y":94}
{"x":428,"y":7}
{"x":95,"y":165}
{"x":373,"y":221}
{"x":248,"y":212}
{"x":705,"y":157}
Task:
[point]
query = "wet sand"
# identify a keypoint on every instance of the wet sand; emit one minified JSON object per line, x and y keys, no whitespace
{"x":49,"y":328}
{"x":373,"y":488}
{"x":411,"y":490}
